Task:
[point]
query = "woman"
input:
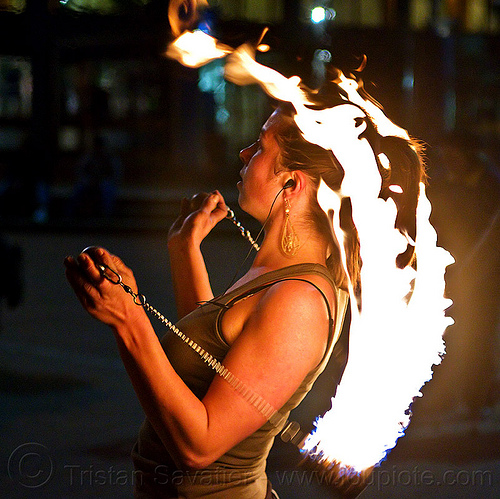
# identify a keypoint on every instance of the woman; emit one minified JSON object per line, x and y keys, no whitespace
{"x":274,"y":329}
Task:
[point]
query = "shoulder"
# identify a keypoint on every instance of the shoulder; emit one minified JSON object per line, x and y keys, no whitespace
{"x":307,"y":293}
{"x":284,"y":308}
{"x":301,"y":289}
{"x":291,"y":318}
{"x":296,"y":304}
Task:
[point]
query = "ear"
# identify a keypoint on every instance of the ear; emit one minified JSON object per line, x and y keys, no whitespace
{"x":299,"y":180}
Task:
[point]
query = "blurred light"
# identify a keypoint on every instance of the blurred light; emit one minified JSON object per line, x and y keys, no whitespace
{"x":318,"y":15}
{"x":222,"y":115}
{"x":323,"y":55}
{"x":103,"y":7}
{"x":443,"y":28}
{"x":211,"y":80}
{"x":205,"y":27}
{"x":211,"y":77}
{"x":69,"y":138}
{"x":408,"y":80}
{"x":15,"y":6}
{"x":263,"y":47}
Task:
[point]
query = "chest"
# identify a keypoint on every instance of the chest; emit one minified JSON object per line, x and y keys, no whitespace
{"x":233,"y":320}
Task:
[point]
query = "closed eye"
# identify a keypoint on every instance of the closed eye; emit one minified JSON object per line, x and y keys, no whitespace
{"x":256,"y":146}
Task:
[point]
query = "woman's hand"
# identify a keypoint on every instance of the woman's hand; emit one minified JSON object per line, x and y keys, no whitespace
{"x":102,"y":299}
{"x":198,"y":216}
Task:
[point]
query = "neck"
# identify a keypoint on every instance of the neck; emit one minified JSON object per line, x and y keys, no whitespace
{"x":312,"y":247}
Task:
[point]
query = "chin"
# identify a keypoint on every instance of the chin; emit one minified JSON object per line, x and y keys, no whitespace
{"x":241,"y":201}
{"x":243,"y":204}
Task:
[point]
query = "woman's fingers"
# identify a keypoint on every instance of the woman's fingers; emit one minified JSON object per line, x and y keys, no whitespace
{"x":198,"y":200}
{"x":99,"y":256}
{"x":84,"y":290}
{"x":89,"y":267}
{"x":197,"y":218}
{"x":101,"y":297}
{"x":221,"y":204}
{"x":116,"y":264}
{"x":213,"y":203}
{"x":216,"y":207}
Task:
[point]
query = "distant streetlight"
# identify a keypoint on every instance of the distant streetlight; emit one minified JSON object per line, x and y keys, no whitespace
{"x":318,"y":15}
{"x":322,"y":14}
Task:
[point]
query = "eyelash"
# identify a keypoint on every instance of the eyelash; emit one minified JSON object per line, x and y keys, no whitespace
{"x":256,"y":146}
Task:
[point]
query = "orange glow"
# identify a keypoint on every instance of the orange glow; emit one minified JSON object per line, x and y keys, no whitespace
{"x":196,"y":48}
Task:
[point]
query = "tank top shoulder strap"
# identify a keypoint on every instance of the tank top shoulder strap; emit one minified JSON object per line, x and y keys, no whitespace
{"x":269,"y":278}
{"x":292,"y":273}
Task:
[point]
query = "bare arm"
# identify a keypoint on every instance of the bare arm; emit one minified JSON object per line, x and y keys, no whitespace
{"x":189,"y":274}
{"x":197,"y":432}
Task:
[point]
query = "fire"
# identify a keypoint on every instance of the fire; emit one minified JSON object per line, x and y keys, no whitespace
{"x":394,"y":341}
{"x":196,"y":48}
{"x":397,"y":336}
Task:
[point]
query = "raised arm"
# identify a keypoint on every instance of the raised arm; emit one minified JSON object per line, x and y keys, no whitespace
{"x":197,"y":432}
{"x":189,"y":274}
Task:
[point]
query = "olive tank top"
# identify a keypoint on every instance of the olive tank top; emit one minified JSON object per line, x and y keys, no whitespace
{"x":240,"y":473}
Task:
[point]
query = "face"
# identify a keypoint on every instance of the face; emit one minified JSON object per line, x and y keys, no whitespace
{"x":260,"y":183}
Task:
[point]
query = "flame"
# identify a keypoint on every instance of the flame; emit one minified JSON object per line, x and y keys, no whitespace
{"x":196,"y":48}
{"x":398,"y":336}
{"x":394,"y":342}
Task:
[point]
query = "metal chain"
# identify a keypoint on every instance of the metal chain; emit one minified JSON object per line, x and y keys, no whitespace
{"x":266,"y":409}
{"x":244,"y":232}
{"x":138,"y":298}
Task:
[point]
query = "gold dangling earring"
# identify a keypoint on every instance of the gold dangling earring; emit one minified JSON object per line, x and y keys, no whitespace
{"x":289,"y":239}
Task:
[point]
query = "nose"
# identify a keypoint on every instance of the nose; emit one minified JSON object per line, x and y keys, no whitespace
{"x":244,"y":156}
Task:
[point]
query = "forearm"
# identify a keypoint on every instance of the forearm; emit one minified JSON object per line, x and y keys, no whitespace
{"x":189,"y":277}
{"x":177,"y":415}
{"x":189,"y":273}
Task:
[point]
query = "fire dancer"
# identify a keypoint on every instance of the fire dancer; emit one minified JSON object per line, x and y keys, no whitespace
{"x":274,"y":329}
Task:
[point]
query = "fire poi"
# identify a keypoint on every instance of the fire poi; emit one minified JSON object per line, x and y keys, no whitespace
{"x":396,"y":330}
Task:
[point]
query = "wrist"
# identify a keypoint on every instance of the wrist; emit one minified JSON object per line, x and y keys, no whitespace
{"x":135,"y":321}
{"x":183,"y":245}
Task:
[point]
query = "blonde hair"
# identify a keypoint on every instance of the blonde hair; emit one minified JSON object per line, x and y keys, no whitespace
{"x":406,"y":170}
